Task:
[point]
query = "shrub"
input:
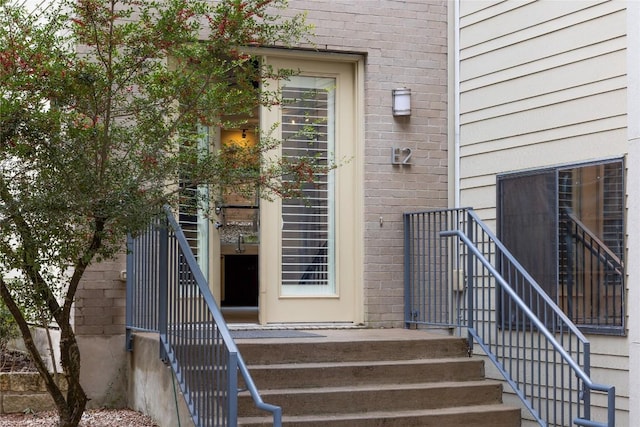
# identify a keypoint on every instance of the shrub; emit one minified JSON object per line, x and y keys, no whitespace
{"x":8,"y":327}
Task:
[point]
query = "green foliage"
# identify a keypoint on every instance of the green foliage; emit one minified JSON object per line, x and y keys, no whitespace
{"x":8,"y":327}
{"x":100,"y":106}
{"x":91,"y":139}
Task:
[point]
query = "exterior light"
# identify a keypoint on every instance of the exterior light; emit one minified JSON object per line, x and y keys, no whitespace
{"x":401,"y":101}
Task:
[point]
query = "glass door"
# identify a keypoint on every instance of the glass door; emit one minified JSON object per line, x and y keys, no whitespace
{"x":311,"y":259}
{"x":308,"y":232}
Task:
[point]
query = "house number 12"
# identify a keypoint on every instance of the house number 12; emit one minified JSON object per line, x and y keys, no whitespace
{"x":401,"y":156}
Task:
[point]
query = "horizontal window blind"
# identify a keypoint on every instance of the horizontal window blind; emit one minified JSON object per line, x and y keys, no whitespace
{"x":191,"y":212}
{"x":307,"y":222}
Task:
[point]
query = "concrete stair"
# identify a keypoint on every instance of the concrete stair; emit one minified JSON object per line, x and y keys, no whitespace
{"x":367,"y":377}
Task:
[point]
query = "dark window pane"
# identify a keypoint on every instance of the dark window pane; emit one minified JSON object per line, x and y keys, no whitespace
{"x":566,"y":227}
{"x":591,"y":243}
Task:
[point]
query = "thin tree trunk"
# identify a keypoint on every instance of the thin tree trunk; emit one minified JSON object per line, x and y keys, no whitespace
{"x":52,"y":352}
{"x":70,"y":407}
{"x":76,"y":401}
{"x":50,"y":383}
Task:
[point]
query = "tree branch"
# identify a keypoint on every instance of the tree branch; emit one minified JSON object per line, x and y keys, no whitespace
{"x":41,"y":366}
{"x":30,"y":251}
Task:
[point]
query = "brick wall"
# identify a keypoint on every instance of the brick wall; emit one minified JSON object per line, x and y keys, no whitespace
{"x":100,"y":301}
{"x":99,"y":323}
{"x":404,"y":44}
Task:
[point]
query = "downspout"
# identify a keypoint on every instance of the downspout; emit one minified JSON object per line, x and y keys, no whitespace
{"x":456,"y":104}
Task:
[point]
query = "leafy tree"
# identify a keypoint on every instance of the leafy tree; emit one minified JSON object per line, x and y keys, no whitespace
{"x":100,"y":106}
{"x":8,"y":328}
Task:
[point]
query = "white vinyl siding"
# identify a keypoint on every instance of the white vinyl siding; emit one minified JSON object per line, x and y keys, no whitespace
{"x":539,"y":78}
{"x":543,"y":83}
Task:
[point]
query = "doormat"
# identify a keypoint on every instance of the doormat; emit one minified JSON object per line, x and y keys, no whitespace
{"x":272,"y":333}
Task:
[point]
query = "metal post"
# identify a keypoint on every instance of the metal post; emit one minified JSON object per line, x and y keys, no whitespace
{"x":586,"y":397}
{"x":130,"y":275}
{"x":232,"y":390}
{"x":470,"y":284}
{"x":611,"y":410}
{"x":407,"y":272}
{"x":163,"y":285}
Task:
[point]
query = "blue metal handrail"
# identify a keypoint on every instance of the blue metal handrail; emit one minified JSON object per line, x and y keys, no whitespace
{"x":540,"y":327}
{"x":477,"y":285}
{"x":168,"y":294}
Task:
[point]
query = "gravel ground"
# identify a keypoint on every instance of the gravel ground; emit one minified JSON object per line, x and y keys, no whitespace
{"x":13,"y":361}
{"x":91,"y":418}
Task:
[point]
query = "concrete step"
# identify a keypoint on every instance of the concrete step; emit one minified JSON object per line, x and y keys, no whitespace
{"x":308,"y":351}
{"x":476,"y":416}
{"x":370,"y":378}
{"x":326,"y":374}
{"x":387,"y":397}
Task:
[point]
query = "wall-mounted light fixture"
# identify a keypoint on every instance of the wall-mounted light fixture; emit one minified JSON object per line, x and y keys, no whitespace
{"x":244,"y":133}
{"x":401,"y":101}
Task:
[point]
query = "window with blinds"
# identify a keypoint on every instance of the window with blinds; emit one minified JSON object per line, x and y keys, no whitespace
{"x":191,"y":212}
{"x":308,"y":223}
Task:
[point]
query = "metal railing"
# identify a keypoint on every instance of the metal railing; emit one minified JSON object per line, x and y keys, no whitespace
{"x":593,"y":280}
{"x":168,"y":294}
{"x":472,"y":283}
